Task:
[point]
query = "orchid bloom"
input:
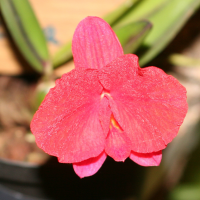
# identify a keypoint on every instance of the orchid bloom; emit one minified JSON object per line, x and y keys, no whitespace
{"x":108,"y":106}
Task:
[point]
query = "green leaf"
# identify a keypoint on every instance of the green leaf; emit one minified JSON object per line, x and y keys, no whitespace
{"x":132,"y":35}
{"x":185,"y":192}
{"x":113,"y":16}
{"x":184,"y":61}
{"x":167,"y":18}
{"x":142,"y":10}
{"x":63,"y":55}
{"x":26,"y":33}
{"x":166,"y":22}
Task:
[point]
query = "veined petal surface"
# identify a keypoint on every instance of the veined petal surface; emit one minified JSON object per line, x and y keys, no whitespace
{"x":94,"y":44}
{"x":105,"y":114}
{"x":147,"y":103}
{"x":67,"y":123}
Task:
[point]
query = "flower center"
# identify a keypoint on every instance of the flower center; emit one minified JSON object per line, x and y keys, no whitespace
{"x":114,"y":123}
{"x":104,"y":93}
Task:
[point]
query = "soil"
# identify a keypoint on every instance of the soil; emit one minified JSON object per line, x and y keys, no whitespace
{"x":16,"y":141}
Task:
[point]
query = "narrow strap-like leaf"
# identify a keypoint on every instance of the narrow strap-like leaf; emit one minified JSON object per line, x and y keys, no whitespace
{"x":26,"y":33}
{"x":167,"y":18}
{"x":113,"y":16}
{"x":142,"y":10}
{"x":63,"y":55}
{"x":167,"y":22}
{"x":184,"y":61}
{"x":132,"y":35}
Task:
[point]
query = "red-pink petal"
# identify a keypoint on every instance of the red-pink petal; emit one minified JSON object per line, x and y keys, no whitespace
{"x":118,"y":145}
{"x":146,"y":159}
{"x":105,"y":114}
{"x":148,"y":104}
{"x":94,"y":44}
{"x":89,"y":167}
{"x":67,"y":123}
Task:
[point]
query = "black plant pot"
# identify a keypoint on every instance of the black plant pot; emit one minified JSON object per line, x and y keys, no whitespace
{"x":56,"y":181}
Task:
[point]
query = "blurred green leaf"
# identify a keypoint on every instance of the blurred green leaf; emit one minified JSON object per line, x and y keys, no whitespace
{"x":142,"y":10}
{"x":113,"y":16}
{"x":166,"y":22}
{"x":184,"y":61}
{"x":186,"y":192}
{"x":40,"y":92}
{"x":167,"y":18}
{"x":63,"y":55}
{"x":132,"y":35}
{"x":26,"y":32}
{"x":40,"y":95}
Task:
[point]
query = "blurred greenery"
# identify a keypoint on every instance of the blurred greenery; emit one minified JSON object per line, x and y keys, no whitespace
{"x":63,"y":55}
{"x":189,"y":186}
{"x":167,"y":18}
{"x":184,"y":61}
{"x":186,"y":192}
{"x":114,"y":16}
{"x":132,"y":35}
{"x":26,"y":32}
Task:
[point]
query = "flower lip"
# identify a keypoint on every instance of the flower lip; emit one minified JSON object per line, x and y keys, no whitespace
{"x":114,"y":123}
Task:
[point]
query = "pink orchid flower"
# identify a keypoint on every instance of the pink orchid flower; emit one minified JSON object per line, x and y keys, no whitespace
{"x":108,"y":105}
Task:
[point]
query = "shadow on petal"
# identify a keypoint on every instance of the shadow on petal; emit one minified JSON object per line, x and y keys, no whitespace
{"x":90,"y":166}
{"x":147,"y":159}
